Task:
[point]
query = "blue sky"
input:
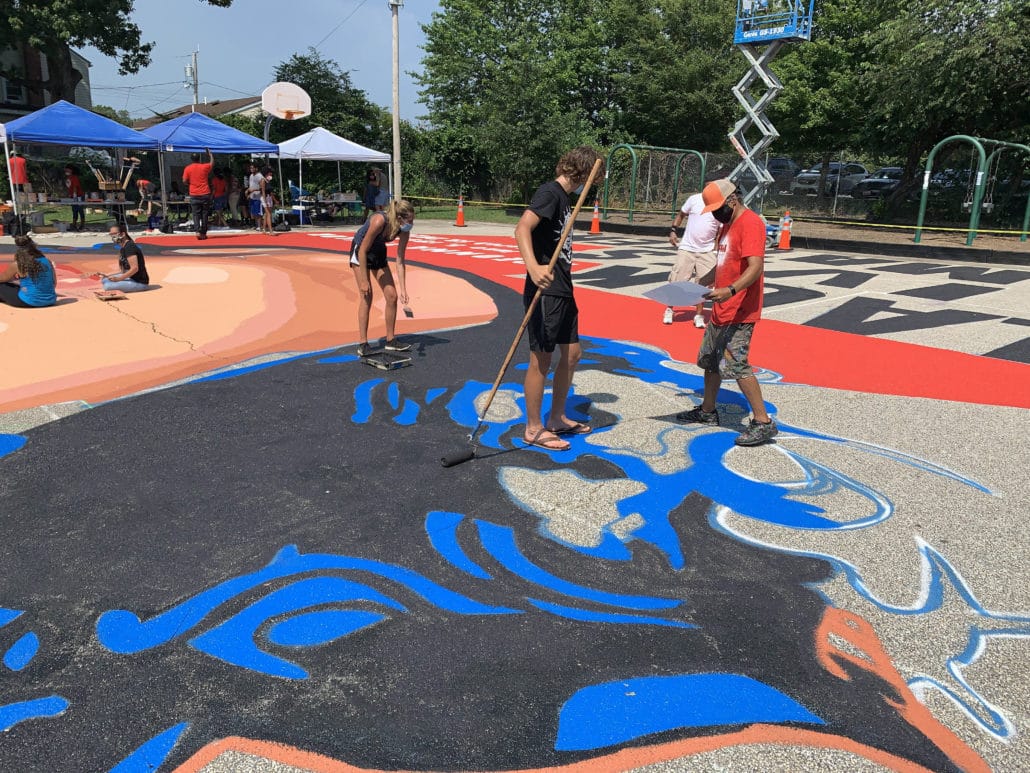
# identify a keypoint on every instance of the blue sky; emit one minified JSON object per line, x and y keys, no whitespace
{"x":240,"y":46}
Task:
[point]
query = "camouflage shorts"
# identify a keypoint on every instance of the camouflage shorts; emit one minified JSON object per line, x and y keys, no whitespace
{"x":724,"y":348}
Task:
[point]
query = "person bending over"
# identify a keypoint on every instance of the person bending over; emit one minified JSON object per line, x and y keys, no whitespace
{"x":368,"y":259}
{"x":36,"y":284}
{"x":132,"y":273}
{"x":555,"y":318}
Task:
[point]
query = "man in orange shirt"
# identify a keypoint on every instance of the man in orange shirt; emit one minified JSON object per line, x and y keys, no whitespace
{"x":19,"y":176}
{"x":197,"y":177}
{"x":737,"y":300}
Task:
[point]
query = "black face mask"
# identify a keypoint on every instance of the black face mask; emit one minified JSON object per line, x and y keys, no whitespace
{"x":724,"y":213}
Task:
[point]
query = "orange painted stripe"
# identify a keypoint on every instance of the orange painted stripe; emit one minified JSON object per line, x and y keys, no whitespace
{"x":618,"y":762}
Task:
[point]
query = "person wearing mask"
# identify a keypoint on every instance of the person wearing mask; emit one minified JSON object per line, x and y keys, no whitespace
{"x":73,"y":190}
{"x":28,"y":281}
{"x":197,"y":176}
{"x":132,"y":275}
{"x":368,"y":259}
{"x":736,"y":308}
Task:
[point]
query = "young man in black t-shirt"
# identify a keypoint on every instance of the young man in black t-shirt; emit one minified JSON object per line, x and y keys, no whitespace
{"x":555,"y":319}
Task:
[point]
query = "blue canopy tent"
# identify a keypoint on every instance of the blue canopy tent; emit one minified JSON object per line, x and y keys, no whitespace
{"x":63,"y":123}
{"x":196,"y":133}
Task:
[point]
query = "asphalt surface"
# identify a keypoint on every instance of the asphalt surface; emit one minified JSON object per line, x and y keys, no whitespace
{"x":266,"y":568}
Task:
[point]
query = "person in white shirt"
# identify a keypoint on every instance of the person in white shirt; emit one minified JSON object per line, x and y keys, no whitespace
{"x":254,"y":182}
{"x":695,"y":256}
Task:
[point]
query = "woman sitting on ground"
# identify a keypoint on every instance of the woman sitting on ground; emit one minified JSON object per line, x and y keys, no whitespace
{"x":132,"y":268}
{"x":368,"y":259}
{"x":37,"y":283}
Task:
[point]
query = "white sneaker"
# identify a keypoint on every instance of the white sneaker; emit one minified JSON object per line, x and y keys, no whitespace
{"x":667,"y":317}
{"x":699,"y":321}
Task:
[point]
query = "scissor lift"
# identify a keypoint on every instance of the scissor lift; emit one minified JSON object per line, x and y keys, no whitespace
{"x":763,"y":27}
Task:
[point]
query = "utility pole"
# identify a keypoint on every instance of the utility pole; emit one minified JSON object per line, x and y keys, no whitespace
{"x":395,"y":6}
{"x":193,"y":78}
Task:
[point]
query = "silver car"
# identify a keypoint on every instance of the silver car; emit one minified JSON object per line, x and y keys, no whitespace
{"x":846,"y":176}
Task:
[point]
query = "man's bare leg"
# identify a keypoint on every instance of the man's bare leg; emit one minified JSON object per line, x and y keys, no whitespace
{"x":753,"y":393}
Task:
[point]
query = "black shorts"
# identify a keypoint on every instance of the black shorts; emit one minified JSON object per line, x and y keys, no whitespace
{"x":554,"y":321}
{"x":376,"y":256}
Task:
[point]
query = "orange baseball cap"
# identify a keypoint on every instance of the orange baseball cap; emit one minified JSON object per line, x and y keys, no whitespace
{"x":715,"y":193}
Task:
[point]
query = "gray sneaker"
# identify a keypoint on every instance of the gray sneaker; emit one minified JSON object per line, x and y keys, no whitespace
{"x":364,"y":350}
{"x":396,"y":346}
{"x":699,"y":416}
{"x":755,"y":433}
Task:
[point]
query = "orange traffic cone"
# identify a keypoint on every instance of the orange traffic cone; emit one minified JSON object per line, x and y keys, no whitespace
{"x":785,"y":222}
{"x":595,"y":223}
{"x":460,"y":222}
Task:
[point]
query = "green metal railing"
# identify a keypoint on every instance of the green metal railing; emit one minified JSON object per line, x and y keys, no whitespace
{"x":980,"y":182}
{"x":683,"y":153}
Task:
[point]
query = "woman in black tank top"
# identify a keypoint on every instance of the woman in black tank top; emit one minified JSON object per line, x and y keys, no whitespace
{"x":368,"y":259}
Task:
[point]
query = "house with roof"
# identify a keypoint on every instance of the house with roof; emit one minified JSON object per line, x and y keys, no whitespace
{"x":249,"y":107}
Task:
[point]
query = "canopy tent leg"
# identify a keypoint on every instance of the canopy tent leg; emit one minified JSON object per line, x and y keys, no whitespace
{"x":7,"y":158}
{"x":166,"y":216}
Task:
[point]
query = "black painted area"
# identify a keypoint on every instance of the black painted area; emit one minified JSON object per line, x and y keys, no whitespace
{"x":855,"y":316}
{"x":1017,"y":351}
{"x":848,"y":280}
{"x":142,"y":503}
{"x":948,"y":292}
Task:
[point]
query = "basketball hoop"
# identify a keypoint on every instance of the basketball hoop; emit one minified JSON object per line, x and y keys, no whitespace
{"x":286,"y":100}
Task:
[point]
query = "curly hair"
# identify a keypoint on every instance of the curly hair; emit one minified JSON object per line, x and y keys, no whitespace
{"x":27,"y":256}
{"x":396,"y":211}
{"x":577,"y":163}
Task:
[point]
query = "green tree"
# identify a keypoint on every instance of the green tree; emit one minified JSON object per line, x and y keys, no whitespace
{"x":121,"y":116}
{"x":511,"y":85}
{"x":938,"y":69}
{"x":672,"y":66}
{"x":498,"y":86}
{"x":337,"y":106}
{"x":53,"y":27}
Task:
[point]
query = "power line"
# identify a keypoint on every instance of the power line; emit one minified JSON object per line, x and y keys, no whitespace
{"x":323,"y":40}
{"x":134,"y":86}
{"x":237,"y":91}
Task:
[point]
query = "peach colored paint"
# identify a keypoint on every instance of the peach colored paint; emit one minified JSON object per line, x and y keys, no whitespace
{"x":202,"y":317}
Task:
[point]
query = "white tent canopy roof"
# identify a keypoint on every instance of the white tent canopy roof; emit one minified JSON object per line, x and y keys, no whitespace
{"x":322,"y":145}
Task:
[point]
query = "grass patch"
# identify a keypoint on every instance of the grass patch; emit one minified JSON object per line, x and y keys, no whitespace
{"x":478,"y":212}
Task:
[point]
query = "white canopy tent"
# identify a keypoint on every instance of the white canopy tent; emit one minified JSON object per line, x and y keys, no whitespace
{"x":322,"y":145}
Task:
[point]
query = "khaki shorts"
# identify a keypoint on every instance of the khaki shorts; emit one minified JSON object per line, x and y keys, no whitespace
{"x":696,"y":266}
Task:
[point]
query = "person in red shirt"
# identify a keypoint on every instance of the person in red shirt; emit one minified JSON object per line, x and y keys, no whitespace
{"x":219,"y":195}
{"x":73,"y":190}
{"x":197,"y":176}
{"x":19,"y":174}
{"x":737,"y":299}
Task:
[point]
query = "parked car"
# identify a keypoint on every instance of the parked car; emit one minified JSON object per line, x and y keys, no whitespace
{"x":879,"y":184}
{"x":848,"y":175}
{"x":782,"y":170}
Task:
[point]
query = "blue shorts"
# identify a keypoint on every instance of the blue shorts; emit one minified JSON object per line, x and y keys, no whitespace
{"x":218,"y":203}
{"x":255,"y":207}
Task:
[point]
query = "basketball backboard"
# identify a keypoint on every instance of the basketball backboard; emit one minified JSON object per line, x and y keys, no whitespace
{"x":286,"y":100}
